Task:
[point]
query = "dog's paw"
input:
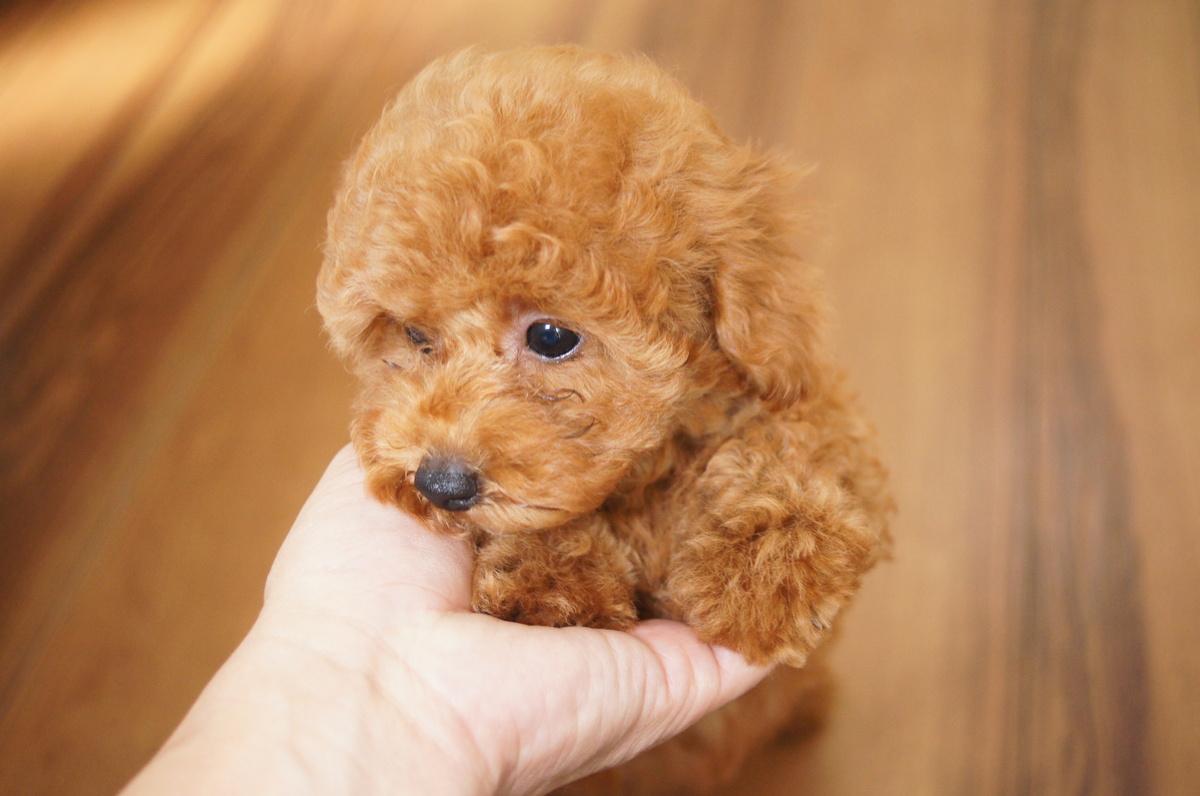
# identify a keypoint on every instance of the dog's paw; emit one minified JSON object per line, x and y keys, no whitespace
{"x":775,"y":550}
{"x":765,"y":621}
{"x":771,"y":595}
{"x":539,"y":579}
{"x":542,"y":598}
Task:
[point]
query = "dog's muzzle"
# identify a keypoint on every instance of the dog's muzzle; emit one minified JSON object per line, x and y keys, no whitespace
{"x":448,"y":484}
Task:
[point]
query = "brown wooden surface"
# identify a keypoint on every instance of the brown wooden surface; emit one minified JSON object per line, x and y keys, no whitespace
{"x":1012,"y":237}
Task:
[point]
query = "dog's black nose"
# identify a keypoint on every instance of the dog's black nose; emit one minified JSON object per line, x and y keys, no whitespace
{"x":448,"y":483}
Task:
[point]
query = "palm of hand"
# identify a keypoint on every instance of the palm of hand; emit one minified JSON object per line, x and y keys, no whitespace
{"x":533,"y":707}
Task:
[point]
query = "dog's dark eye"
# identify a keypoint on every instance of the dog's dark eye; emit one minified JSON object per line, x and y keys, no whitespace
{"x":419,"y":339}
{"x":550,"y":341}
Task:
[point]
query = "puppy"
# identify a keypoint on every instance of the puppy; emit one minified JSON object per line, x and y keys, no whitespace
{"x":585,"y":343}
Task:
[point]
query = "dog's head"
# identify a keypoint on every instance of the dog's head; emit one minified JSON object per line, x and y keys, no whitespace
{"x":542,"y":265}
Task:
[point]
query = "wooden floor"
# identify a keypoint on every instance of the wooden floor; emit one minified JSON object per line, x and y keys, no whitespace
{"x":1011,"y":194}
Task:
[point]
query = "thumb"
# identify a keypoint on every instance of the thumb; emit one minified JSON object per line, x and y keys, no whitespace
{"x":699,"y":677}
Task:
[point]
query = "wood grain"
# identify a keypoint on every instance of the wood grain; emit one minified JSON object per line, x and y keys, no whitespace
{"x":1072,"y":634}
{"x":1008,"y":197}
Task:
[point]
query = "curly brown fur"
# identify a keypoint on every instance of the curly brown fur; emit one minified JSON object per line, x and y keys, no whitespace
{"x":698,"y":455}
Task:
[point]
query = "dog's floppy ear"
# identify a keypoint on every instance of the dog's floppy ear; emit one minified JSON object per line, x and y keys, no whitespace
{"x":768,"y":311}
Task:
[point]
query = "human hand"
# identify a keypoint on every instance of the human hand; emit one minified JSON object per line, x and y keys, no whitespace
{"x":367,"y":671}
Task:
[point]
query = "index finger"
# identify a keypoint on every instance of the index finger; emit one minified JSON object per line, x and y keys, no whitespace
{"x":342,"y":534}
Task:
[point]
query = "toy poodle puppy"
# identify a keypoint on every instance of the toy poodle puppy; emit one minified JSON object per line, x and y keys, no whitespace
{"x":585,"y":344}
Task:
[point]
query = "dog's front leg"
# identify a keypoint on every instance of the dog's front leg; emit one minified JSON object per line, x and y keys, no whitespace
{"x":778,"y":543}
{"x":572,"y":575}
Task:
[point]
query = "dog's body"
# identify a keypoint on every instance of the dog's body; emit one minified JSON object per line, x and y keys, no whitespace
{"x":585,"y":343}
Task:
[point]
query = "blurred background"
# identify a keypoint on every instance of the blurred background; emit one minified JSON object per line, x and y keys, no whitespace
{"x":1010,"y":225}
